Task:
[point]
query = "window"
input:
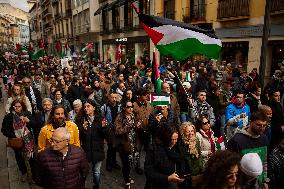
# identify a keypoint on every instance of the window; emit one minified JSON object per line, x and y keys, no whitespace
{"x":197,"y":10}
{"x":144,"y":6}
{"x":169,"y":9}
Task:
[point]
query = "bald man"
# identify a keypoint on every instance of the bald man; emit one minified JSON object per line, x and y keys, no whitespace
{"x":61,"y":165}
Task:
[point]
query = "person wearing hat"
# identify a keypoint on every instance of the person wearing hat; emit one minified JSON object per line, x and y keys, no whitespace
{"x":251,"y":167}
{"x":183,"y":97}
{"x":252,"y":139}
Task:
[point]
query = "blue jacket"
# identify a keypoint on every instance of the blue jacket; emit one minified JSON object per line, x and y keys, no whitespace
{"x":232,"y":113}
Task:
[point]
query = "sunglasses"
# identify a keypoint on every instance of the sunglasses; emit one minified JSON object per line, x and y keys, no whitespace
{"x":129,"y":106}
{"x":205,"y":123}
{"x":231,"y":176}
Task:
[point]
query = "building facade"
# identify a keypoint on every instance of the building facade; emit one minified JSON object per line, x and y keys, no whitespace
{"x":5,"y":32}
{"x":62,"y":24}
{"x":18,"y":28}
{"x":120,"y":30}
{"x":35,"y":23}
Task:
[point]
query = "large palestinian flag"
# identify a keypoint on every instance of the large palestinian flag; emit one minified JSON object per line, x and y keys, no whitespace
{"x":180,"y":40}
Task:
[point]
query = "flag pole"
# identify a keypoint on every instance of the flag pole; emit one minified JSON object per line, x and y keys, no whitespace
{"x":188,"y":96}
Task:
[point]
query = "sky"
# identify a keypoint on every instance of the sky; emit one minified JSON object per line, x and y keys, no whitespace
{"x":22,"y":4}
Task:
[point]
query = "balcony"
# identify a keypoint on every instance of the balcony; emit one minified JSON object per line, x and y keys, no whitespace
{"x":277,"y":7}
{"x":232,"y":9}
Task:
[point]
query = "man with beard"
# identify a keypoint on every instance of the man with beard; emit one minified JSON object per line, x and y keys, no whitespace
{"x":142,"y":110}
{"x":166,"y":90}
{"x":251,"y":139}
{"x":107,"y":82}
{"x":33,"y":94}
{"x":58,"y":118}
{"x":200,"y":107}
{"x":109,"y":111}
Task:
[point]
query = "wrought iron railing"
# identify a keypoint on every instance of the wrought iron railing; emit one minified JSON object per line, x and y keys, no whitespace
{"x":233,"y":8}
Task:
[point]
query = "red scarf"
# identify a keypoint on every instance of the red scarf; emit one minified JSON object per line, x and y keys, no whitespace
{"x":212,"y":143}
{"x":234,"y":101}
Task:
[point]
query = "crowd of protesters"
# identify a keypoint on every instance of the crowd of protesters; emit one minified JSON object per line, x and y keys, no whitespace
{"x":221,"y":130}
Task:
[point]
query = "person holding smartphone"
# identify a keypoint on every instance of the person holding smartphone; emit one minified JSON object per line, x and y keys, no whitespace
{"x":166,"y":164}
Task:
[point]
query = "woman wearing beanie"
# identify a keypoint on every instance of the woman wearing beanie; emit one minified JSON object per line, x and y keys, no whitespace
{"x":222,"y":171}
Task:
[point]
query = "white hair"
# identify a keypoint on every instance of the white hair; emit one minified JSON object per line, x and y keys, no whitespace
{"x":47,"y":100}
{"x":65,"y":132}
{"x":77,"y":102}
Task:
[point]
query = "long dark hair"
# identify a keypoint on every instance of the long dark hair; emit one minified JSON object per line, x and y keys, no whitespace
{"x":24,"y":107}
{"x":165,"y":134}
{"x":218,"y":167}
{"x":51,"y":115}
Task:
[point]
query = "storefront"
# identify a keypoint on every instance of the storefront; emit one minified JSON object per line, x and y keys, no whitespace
{"x":131,"y":48}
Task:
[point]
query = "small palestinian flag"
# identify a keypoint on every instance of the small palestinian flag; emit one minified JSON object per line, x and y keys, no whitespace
{"x":160,"y":100}
{"x":220,"y":143}
{"x":180,"y":40}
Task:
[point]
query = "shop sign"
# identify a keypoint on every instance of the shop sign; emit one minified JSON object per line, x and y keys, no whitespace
{"x":121,"y":39}
{"x":253,"y":31}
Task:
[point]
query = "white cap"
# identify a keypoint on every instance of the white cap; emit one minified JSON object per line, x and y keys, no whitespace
{"x":186,"y":85}
{"x":251,"y":165}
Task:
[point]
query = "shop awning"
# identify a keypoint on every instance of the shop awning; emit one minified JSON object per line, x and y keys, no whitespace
{"x":100,"y":9}
{"x":120,"y":3}
{"x":111,"y":5}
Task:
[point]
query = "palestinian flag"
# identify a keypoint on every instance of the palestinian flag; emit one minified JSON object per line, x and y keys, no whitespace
{"x":180,"y":40}
{"x":220,"y":143}
{"x":40,"y":52}
{"x":155,"y":76}
{"x":160,"y":100}
{"x":85,"y":51}
{"x":24,"y":50}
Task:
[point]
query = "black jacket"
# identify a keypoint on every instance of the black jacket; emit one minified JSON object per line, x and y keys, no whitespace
{"x":7,"y":124}
{"x":38,"y":99}
{"x":252,"y":102}
{"x":154,"y":125}
{"x":75,"y":92}
{"x":161,"y":162}
{"x":93,"y":138}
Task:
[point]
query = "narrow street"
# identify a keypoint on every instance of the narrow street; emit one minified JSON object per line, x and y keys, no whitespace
{"x":10,"y":175}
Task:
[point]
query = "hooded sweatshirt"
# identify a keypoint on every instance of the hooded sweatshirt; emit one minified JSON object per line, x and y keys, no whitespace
{"x":243,"y":142}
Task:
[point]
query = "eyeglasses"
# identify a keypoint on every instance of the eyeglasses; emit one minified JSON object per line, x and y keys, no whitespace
{"x":205,"y":123}
{"x":56,"y":141}
{"x":17,"y":106}
{"x":260,"y":125}
{"x":232,"y":175}
{"x":129,"y":106}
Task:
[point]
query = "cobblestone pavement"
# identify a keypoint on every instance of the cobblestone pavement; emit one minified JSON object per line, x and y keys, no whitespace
{"x":10,"y":175}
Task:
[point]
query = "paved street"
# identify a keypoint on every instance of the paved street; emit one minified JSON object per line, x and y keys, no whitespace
{"x":10,"y":175}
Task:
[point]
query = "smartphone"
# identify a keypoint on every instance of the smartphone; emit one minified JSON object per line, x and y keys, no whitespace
{"x":184,"y":176}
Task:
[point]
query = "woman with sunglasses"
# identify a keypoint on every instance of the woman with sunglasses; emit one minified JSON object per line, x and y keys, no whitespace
{"x":222,"y":171}
{"x":125,"y":127}
{"x":206,"y":139}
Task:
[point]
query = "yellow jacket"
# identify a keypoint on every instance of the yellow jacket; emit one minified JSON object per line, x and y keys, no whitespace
{"x":47,"y":131}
